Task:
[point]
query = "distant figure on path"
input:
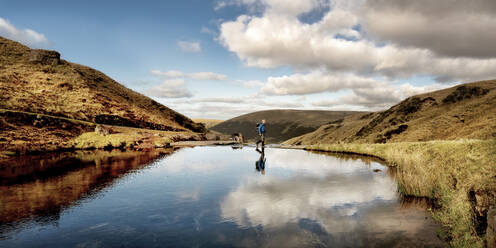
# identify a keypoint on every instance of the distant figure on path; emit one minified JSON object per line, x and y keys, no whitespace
{"x":261,"y":133}
{"x":260,"y":163}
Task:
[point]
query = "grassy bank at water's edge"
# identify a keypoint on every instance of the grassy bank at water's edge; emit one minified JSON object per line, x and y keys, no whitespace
{"x":459,"y":175}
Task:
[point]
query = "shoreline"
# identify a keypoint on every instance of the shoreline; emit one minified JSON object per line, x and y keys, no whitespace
{"x":457,"y":175}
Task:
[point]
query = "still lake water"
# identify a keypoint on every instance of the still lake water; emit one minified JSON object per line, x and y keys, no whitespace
{"x":207,"y":197}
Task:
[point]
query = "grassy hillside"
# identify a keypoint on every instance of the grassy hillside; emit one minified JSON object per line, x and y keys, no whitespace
{"x":37,"y":81}
{"x":208,"y":123}
{"x":459,"y":176}
{"x":463,"y":111}
{"x":281,"y":124}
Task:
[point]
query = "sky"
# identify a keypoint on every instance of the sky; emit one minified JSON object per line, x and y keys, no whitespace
{"x":218,"y":59}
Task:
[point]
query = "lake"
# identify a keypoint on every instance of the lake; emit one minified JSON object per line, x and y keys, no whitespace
{"x":208,"y":197}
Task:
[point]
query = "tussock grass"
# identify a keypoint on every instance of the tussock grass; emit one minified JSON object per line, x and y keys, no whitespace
{"x":442,"y":170}
{"x":464,"y":111}
{"x":77,"y":92}
{"x":125,"y":138}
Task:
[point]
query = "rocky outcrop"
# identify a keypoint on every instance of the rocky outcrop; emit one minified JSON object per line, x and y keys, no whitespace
{"x":115,"y":120}
{"x":44,"y":57}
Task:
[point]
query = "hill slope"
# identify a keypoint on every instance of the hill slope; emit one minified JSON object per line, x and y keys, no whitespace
{"x":281,"y":124}
{"x":463,"y":111}
{"x":208,"y":123}
{"x":39,"y":82}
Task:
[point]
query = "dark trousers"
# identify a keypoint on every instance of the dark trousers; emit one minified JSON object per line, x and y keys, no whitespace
{"x":261,"y":140}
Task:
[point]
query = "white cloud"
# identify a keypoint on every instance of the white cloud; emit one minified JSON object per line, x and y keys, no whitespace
{"x":275,"y":39}
{"x":207,"y":76}
{"x":447,"y":27}
{"x":214,"y":100}
{"x":195,"y":75}
{"x":26,"y":36}
{"x":171,"y":73}
{"x":379,"y":97}
{"x":219,"y":5}
{"x":173,"y":88}
{"x":365,"y":92}
{"x":251,"y":83}
{"x":191,"y":47}
{"x":229,"y":107}
{"x":315,"y":82}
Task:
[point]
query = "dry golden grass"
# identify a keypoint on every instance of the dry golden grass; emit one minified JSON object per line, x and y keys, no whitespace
{"x":77,"y":92}
{"x":59,"y":133}
{"x":208,"y":122}
{"x":425,"y":117}
{"x":447,"y":171}
{"x":126,"y":137}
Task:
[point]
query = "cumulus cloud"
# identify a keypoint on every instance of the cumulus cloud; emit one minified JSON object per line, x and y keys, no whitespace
{"x":337,"y":44}
{"x":447,"y":27}
{"x":220,"y":4}
{"x":195,"y":75}
{"x":26,"y":36}
{"x":207,"y":76}
{"x":379,"y":97}
{"x":214,"y":100}
{"x":251,"y":83}
{"x":253,"y":100}
{"x":365,"y":92}
{"x":191,"y":47}
{"x":173,"y":88}
{"x":315,"y":82}
{"x":229,"y":107}
{"x":293,"y":8}
{"x":171,"y":73}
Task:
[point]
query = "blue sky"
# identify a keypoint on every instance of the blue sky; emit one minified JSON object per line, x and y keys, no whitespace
{"x":219,"y":59}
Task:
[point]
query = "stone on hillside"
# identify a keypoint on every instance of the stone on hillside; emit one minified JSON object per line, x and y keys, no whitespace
{"x":44,"y":57}
{"x":102,"y":130}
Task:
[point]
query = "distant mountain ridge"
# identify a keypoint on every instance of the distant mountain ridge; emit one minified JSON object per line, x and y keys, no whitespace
{"x":281,"y":124}
{"x":464,"y":111}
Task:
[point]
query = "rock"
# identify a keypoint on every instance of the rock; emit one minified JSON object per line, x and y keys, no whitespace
{"x":491,"y":228}
{"x":102,"y":130}
{"x":238,"y":138}
{"x":44,"y":57}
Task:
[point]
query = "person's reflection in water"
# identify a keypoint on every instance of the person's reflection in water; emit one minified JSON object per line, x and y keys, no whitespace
{"x":260,"y":164}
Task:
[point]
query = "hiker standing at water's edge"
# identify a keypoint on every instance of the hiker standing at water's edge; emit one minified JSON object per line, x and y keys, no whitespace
{"x":261,"y":133}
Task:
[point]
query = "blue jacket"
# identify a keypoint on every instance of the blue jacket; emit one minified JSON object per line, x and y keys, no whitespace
{"x":261,"y":128}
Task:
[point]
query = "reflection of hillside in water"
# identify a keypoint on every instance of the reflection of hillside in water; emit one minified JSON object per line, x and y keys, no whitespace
{"x":40,"y":187}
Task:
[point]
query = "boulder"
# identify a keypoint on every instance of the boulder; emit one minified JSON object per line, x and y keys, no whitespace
{"x":102,"y":130}
{"x":44,"y":57}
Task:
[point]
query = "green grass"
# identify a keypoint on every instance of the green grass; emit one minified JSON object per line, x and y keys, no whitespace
{"x":442,"y":170}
